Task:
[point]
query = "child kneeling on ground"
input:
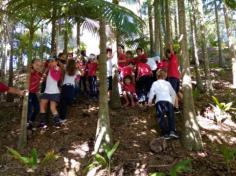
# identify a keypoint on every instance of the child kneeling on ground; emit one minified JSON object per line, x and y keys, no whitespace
{"x":129,"y":91}
{"x":165,"y":98}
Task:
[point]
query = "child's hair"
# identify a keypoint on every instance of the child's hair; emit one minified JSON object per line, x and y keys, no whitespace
{"x":71,"y":67}
{"x":122,"y":46}
{"x":109,"y":50}
{"x":129,"y":52}
{"x":167,"y":52}
{"x":33,"y":61}
{"x":139,"y":48}
{"x":161,"y":74}
{"x":143,"y":60}
{"x":131,"y":63}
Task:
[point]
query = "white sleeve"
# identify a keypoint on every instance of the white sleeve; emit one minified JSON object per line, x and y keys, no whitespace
{"x":172,"y":93}
{"x":152,"y":93}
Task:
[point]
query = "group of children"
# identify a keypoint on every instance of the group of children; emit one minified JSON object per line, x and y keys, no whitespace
{"x":141,"y":79}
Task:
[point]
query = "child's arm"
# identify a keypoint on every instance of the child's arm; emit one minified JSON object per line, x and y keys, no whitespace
{"x":16,"y":91}
{"x":171,"y":48}
{"x":151,"y":95}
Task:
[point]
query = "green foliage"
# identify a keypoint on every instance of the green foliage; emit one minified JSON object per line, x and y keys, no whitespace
{"x":229,"y":155}
{"x":178,"y":168}
{"x":103,"y":160}
{"x":231,"y":3}
{"x":32,"y":161}
{"x":221,"y":105}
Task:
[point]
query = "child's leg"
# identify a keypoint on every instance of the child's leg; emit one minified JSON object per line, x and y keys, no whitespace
{"x":160,"y":109}
{"x":126,"y":98}
{"x":95,"y":86}
{"x":35,"y":103}
{"x":171,"y":117}
{"x":43,"y":110}
{"x":30,"y":108}
{"x":130,"y":95}
{"x":90,"y":81}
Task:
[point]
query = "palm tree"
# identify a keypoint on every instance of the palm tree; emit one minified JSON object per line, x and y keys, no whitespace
{"x":192,"y":137}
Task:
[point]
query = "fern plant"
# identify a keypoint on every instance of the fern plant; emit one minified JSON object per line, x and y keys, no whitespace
{"x":32,"y":161}
{"x":178,"y":168}
{"x":103,"y":160}
{"x":229,"y":155}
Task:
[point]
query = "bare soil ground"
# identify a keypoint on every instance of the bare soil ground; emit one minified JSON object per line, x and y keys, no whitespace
{"x":134,"y":127}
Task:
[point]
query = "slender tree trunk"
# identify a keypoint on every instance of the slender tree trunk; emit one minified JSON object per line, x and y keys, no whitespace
{"x":225,"y":10}
{"x":23,"y":135}
{"x":42,"y":42}
{"x":168,"y":23}
{"x":115,"y":102}
{"x":195,"y":49}
{"x":11,"y":74}
{"x":66,"y":38}
{"x":78,"y":34}
{"x":163,"y":19}
{"x":221,"y":59}
{"x":103,"y":133}
{"x":191,"y":138}
{"x":198,"y":10}
{"x":176,"y":21}
{"x":150,"y":28}
{"x":54,"y":33}
{"x":157,"y":28}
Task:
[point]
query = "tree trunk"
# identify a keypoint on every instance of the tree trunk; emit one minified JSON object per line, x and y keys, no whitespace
{"x":225,"y":10}
{"x":221,"y":59}
{"x":23,"y":135}
{"x":191,"y":137}
{"x":78,"y":34}
{"x":103,"y":133}
{"x":195,"y":48}
{"x":54,"y":33}
{"x":157,"y":28}
{"x":198,"y":10}
{"x":168,"y":23}
{"x":11,"y":74}
{"x":163,"y":19}
{"x":115,"y":102}
{"x":176,"y":21}
{"x":150,"y":28}
{"x":42,"y":42}
{"x":66,"y":38}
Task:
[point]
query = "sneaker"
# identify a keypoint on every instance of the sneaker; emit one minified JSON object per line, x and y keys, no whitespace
{"x":174,"y":135}
{"x":166,"y":136}
{"x":42,"y":125}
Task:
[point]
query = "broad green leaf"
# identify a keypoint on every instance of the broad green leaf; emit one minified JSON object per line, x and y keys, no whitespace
{"x":19,"y":157}
{"x":228,"y":106}
{"x":216,"y":101}
{"x":114,"y":148}
{"x":101,"y":160}
{"x":90,"y":167}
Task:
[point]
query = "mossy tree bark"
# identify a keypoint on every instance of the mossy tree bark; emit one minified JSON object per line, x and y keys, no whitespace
{"x":103,"y":134}
{"x":191,"y":137}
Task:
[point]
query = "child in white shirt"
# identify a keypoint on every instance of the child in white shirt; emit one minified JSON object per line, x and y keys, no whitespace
{"x":165,"y":98}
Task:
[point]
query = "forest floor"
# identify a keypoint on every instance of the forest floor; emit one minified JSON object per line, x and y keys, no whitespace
{"x":134,"y":128}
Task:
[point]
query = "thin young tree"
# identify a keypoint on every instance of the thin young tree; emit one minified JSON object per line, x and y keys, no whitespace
{"x":191,"y":136}
{"x":103,"y":134}
{"x":195,"y":56}
{"x":150,"y":23}
{"x":157,"y":28}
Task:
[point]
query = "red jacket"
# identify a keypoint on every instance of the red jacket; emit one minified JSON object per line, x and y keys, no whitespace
{"x":122,"y":57}
{"x":143,"y":70}
{"x":91,"y":68}
{"x":35,"y":78}
{"x":126,"y":71}
{"x":173,"y":67}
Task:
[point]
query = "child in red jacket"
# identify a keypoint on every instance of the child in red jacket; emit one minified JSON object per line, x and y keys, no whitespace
{"x":129,"y":91}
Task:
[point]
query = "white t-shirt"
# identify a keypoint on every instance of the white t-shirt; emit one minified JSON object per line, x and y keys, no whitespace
{"x":69,"y":79}
{"x":152,"y":62}
{"x":109,"y":67}
{"x":51,"y":85}
{"x":163,"y":91}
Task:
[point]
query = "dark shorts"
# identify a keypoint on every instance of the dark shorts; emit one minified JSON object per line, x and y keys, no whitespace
{"x":51,"y":97}
{"x":109,"y":82}
{"x":175,"y":83}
